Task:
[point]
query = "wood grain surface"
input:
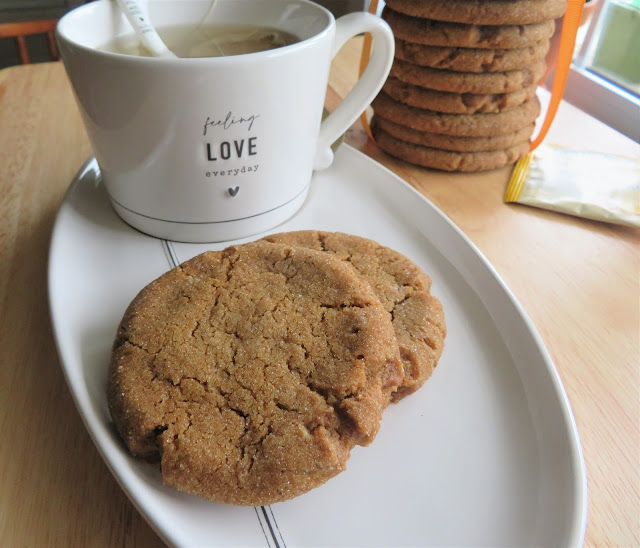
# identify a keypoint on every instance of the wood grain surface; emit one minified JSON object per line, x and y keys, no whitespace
{"x":577,"y":279}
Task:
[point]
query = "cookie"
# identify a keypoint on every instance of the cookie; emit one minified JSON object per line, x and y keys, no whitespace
{"x":468,"y":82}
{"x":462,"y":125}
{"x":447,"y":160}
{"x":452,"y":143}
{"x":471,"y":59}
{"x":455,"y":103}
{"x":404,"y":291}
{"x":463,"y":35}
{"x":252,"y":372}
{"x":482,"y":12}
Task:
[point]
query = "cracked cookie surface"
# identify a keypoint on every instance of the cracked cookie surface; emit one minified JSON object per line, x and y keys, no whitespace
{"x":448,"y":160}
{"x":455,"y":103}
{"x":481,"y":12}
{"x":252,"y":372}
{"x":461,"y":125}
{"x":403,"y":289}
{"x":451,"y":142}
{"x":465,"y":35}
{"x":468,"y":82}
{"x":471,"y":59}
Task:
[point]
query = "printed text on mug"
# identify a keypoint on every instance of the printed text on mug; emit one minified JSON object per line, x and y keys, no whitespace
{"x":232,"y":149}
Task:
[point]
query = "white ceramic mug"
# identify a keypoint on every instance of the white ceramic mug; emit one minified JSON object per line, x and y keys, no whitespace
{"x":213,"y":149}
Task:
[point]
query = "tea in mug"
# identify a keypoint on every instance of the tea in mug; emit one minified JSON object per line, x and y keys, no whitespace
{"x":207,"y":40}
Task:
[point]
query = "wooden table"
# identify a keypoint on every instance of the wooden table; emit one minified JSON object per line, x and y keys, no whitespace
{"x":577,"y":279}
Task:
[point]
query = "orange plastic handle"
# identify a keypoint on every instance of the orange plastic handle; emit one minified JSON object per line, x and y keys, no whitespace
{"x":570,"y":27}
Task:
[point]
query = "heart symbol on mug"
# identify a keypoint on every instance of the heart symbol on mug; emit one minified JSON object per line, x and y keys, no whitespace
{"x":233,"y":191}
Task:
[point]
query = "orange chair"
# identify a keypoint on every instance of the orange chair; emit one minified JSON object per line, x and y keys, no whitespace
{"x":20,"y":30}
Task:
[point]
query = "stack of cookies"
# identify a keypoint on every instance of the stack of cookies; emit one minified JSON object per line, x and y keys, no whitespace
{"x":461,"y":95}
{"x":251,"y":372}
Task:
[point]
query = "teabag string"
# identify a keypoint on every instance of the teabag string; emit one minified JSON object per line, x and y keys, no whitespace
{"x":570,"y":28}
{"x":208,"y":16}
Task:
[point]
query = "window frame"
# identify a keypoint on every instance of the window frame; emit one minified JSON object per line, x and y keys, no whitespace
{"x":598,"y":96}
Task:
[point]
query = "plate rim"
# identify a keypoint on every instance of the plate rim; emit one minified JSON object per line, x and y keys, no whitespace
{"x":82,"y":399}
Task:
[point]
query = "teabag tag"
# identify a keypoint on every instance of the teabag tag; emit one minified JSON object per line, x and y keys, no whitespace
{"x":603,"y":187}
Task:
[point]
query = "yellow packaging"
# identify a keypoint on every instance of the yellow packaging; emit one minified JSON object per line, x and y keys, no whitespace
{"x":598,"y":186}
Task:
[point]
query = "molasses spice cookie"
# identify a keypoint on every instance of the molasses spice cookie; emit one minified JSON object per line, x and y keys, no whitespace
{"x":252,"y":372}
{"x":466,"y":35}
{"x":455,"y":103}
{"x":482,"y":12}
{"x":447,"y":160}
{"x":471,"y":59}
{"x":468,"y":82}
{"x":451,"y":142}
{"x":403,"y":289}
{"x":461,"y":125}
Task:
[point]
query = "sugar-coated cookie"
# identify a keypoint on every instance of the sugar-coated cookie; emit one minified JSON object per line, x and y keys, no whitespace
{"x":462,"y":125}
{"x":468,"y":82}
{"x":253,"y":371}
{"x":482,"y":12}
{"x":471,"y":59}
{"x":451,"y":142}
{"x":465,"y":35}
{"x":448,"y":160}
{"x":456,"y":103}
{"x":403,"y":289}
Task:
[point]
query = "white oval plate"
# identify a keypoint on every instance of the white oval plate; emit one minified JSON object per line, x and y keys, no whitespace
{"x":485,"y":454}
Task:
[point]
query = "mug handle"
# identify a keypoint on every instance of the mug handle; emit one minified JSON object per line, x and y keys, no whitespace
{"x":367,"y":86}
